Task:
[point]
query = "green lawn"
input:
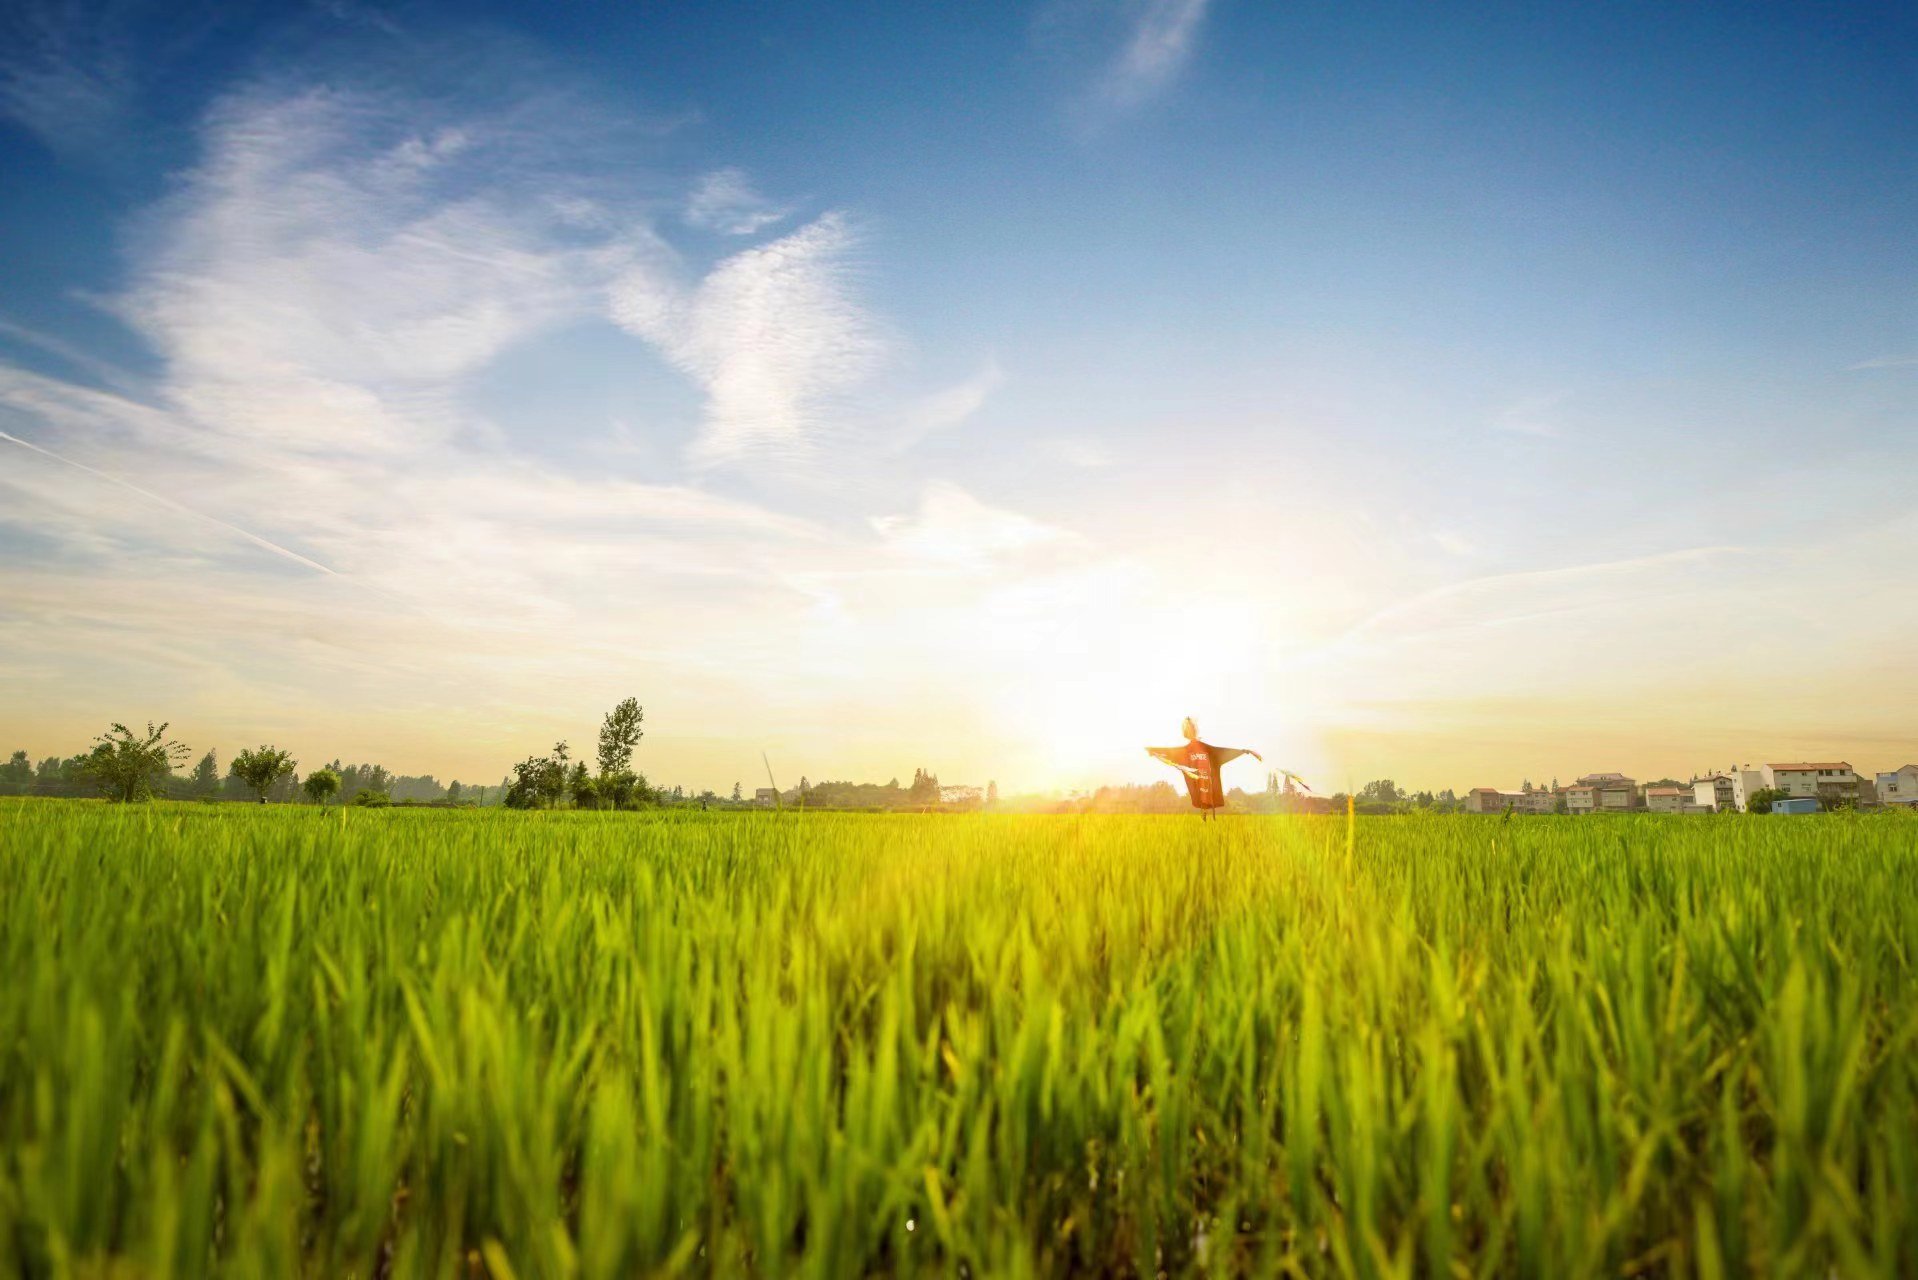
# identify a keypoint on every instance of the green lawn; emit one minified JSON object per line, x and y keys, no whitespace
{"x":277,"y":1041}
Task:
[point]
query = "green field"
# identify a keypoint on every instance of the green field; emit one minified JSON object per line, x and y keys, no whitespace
{"x":277,"y":1041}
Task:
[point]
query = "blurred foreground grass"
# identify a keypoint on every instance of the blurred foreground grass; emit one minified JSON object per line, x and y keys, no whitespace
{"x":274,"y":1041}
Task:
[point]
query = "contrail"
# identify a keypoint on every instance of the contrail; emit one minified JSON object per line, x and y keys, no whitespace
{"x":169,"y":503}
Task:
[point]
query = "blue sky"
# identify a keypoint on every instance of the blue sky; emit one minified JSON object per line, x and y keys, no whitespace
{"x":1485,"y":392}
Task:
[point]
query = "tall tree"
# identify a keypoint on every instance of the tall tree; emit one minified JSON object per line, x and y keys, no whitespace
{"x":619,"y":735}
{"x":18,"y":771}
{"x":206,"y":776}
{"x":126,"y":766}
{"x":262,"y":767}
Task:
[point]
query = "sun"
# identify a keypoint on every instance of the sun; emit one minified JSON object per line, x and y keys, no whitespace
{"x":1087,"y":681}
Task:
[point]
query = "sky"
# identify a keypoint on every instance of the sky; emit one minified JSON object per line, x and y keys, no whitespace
{"x":1454,"y":395}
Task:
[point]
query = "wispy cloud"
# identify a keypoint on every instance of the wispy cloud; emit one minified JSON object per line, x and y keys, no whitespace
{"x":772,"y":335}
{"x":1076,"y":451}
{"x":68,"y":353}
{"x":954,"y":528}
{"x":1499,"y":599}
{"x":326,"y":292}
{"x":264,"y":544}
{"x":1158,"y":45}
{"x":65,"y":76}
{"x":1534,"y":415}
{"x":726,"y":201}
{"x":331,"y":269}
{"x":949,"y":406}
{"x":1885,"y":362}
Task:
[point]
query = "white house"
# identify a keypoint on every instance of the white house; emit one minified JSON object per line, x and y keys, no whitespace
{"x":1744,"y":782}
{"x":1820,"y":779}
{"x":1900,"y":786}
{"x":1715,"y":792}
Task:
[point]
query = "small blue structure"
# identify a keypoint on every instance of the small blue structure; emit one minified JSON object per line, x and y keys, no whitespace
{"x":1796,"y":804}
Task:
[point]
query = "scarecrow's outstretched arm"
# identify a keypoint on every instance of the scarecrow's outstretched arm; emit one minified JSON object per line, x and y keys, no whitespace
{"x":1174,"y":756}
{"x":1224,"y":754}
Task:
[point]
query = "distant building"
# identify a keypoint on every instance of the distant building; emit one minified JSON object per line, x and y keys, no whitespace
{"x":1715,"y":792}
{"x":960,"y":795}
{"x":1669,"y":799}
{"x":765,"y":796}
{"x":1900,"y":786}
{"x":1580,"y":798}
{"x":1745,"y":781}
{"x":1796,"y":804}
{"x":1492,"y":800}
{"x":1832,"y":781}
{"x":1610,"y":793}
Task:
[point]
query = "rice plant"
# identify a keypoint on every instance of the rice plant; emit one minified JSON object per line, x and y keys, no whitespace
{"x":275,"y":1041}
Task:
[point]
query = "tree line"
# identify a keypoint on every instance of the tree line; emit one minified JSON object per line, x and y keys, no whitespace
{"x":131,"y":765}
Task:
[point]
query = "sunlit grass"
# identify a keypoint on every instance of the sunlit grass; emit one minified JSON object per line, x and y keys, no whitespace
{"x":267,"y":1041}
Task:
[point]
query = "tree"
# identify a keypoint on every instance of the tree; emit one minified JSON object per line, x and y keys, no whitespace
{"x":622,"y":789}
{"x":738,"y":793}
{"x":454,"y":792}
{"x":538,"y":782}
{"x":992,"y":794}
{"x":17,"y":771}
{"x":618,"y":735}
{"x":372,"y":799}
{"x":321,"y":785}
{"x":1761,"y":800}
{"x":126,"y":765}
{"x":1381,"y":791}
{"x":206,"y":777}
{"x":261,"y":767}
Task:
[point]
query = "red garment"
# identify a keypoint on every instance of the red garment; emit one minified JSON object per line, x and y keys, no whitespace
{"x":1200,"y":763}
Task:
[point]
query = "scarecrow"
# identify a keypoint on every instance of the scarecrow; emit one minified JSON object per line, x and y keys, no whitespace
{"x":1200,"y":763}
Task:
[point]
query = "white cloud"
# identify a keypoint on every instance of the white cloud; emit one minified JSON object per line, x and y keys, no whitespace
{"x":773,"y":335}
{"x":954,"y":528}
{"x":726,"y":201}
{"x":950,"y":406}
{"x":1157,"y":48}
{"x":304,"y":520}
{"x":329,"y":271}
{"x":1077,"y":451}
